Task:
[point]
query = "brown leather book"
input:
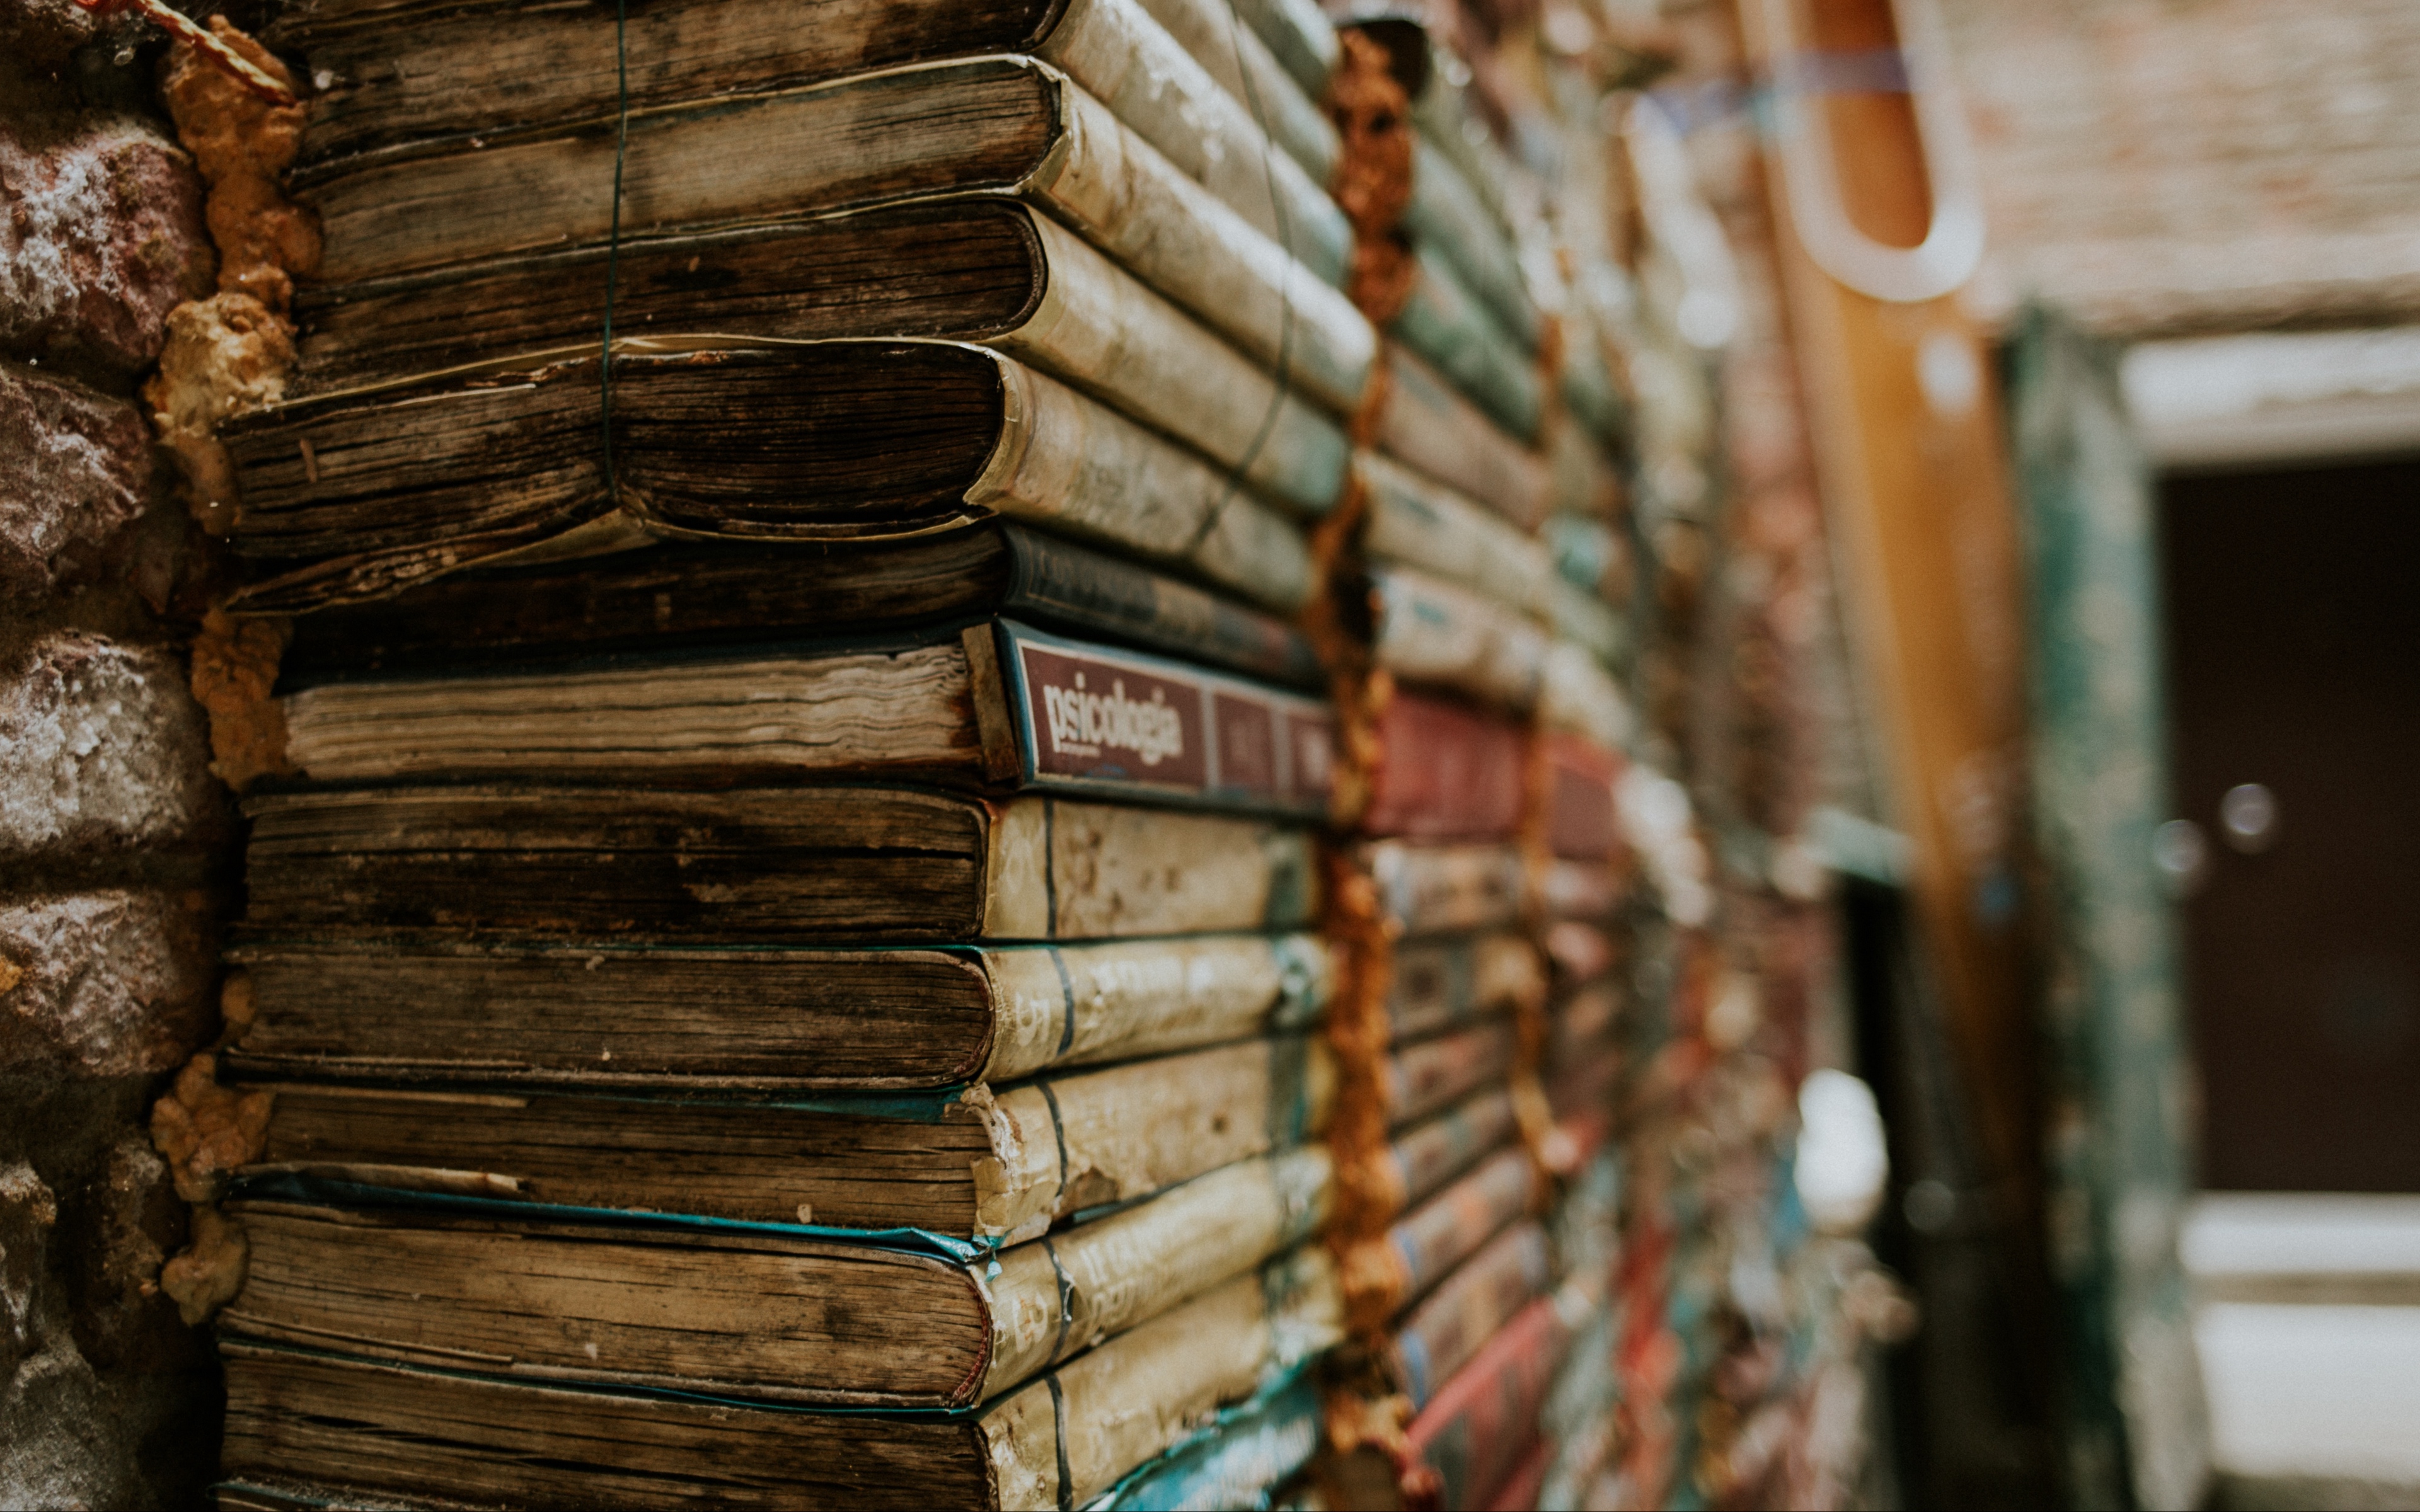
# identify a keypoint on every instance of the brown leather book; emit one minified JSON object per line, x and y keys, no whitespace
{"x":428,"y":1009}
{"x":997,"y":705}
{"x":684,"y":596}
{"x":305,"y":1426}
{"x":971,"y":1163}
{"x":759,"y":1312}
{"x":757,"y":866}
{"x":353,"y":498}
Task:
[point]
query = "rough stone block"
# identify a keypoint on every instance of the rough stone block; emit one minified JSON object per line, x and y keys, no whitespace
{"x":49,"y":1399}
{"x":101,"y":236}
{"x":122,"y":1227}
{"x":104,"y":984}
{"x":39,"y":36}
{"x":106,"y":1400}
{"x":76,"y":469}
{"x":107,"y":751}
{"x":28,"y":1211}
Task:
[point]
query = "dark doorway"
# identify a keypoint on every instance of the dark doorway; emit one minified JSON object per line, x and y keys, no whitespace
{"x":2294,"y":645}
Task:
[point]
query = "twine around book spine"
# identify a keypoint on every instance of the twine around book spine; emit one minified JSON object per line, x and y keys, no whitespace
{"x":1280,"y":393}
{"x":1284,"y":374}
{"x":613,"y":241}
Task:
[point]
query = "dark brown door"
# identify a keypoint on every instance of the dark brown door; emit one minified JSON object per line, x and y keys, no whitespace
{"x":2294,"y":612}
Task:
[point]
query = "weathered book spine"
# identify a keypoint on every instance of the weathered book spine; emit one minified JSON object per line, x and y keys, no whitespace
{"x":1117,"y":189}
{"x":1071,"y":1436}
{"x":1439,"y":984}
{"x":1448,"y":123}
{"x":1433,"y":889}
{"x":763,"y":866}
{"x":1084,"y":1005}
{"x":1055,"y":1297}
{"x":1057,"y":869}
{"x":1089,"y":718}
{"x":907,"y":709}
{"x":1088,"y":321}
{"x":1130,"y":62}
{"x":1586,"y":486}
{"x":1101,"y":329}
{"x":605,"y":1015}
{"x":413,"y":84}
{"x":1251,"y":75}
{"x":977,"y":1163}
{"x":1059,"y":460}
{"x":1427,"y":525}
{"x":1580,"y":616}
{"x":1473,"y":1436}
{"x":762,"y":1316}
{"x":1445,"y":772}
{"x":510,"y":193}
{"x":405,"y":1010}
{"x":669,"y":597}
{"x":1578,"y":695}
{"x":1057,"y":583}
{"x":1427,"y":1155}
{"x":758,"y":1316}
{"x":1421,"y":1078}
{"x":1430,"y":1241}
{"x":1102,"y":177}
{"x":1589,"y":390}
{"x":1582,"y":822}
{"x":676,"y":598}
{"x":1449,"y":327}
{"x":1440,"y":1335}
{"x":1068,"y":1144}
{"x":319,"y":1422}
{"x":1434,"y":632}
{"x":1447,"y":213}
{"x":1427,"y":423}
{"x":1066,"y":462}
{"x":1242,"y":1459}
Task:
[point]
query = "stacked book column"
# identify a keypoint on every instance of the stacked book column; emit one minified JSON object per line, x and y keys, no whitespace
{"x":1484,"y":864}
{"x":777,"y":961}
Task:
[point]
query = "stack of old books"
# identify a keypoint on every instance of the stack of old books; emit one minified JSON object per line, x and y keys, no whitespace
{"x":1480,"y":1244}
{"x":784,"y":963}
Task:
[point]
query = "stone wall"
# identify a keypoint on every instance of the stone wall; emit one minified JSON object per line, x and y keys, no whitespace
{"x":115,"y":863}
{"x":2160,"y":167}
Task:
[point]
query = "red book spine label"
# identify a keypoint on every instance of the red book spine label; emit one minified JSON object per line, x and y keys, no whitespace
{"x":1582,"y":820}
{"x":1445,"y":773}
{"x":1118,"y":722}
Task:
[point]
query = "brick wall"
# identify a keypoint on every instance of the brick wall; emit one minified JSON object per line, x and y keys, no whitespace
{"x":2173,"y":166}
{"x":113,"y":832}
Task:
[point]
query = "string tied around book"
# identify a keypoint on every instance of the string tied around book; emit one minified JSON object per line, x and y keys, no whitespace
{"x":223,"y":56}
{"x":613,"y":245}
{"x":1284,"y":372}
